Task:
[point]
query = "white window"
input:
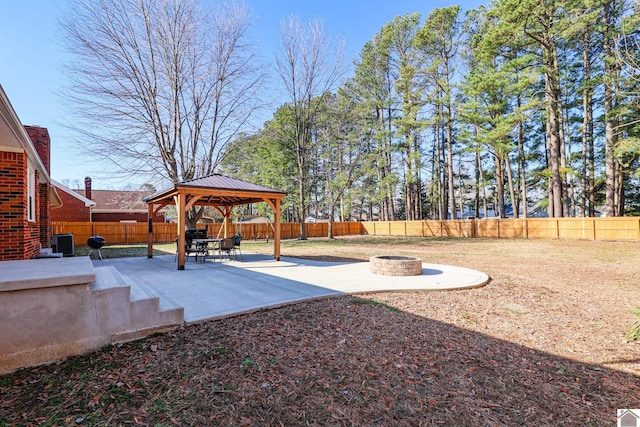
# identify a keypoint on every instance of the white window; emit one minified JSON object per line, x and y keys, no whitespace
{"x":31,"y":193}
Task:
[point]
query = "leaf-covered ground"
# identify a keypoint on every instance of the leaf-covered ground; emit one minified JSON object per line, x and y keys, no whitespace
{"x":544,"y":343}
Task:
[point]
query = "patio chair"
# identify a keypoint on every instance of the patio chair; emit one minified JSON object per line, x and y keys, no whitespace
{"x":226,"y":246}
{"x":212,"y":249}
{"x":236,"y":245}
{"x":189,"y":248}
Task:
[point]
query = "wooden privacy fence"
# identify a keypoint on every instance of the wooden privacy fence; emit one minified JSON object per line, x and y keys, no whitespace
{"x":136,"y":232}
{"x":618,"y":228}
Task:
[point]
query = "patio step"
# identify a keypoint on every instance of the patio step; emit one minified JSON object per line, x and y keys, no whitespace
{"x":48,"y":253}
{"x":140,"y":294}
{"x":106,"y":278}
{"x":143,"y":289}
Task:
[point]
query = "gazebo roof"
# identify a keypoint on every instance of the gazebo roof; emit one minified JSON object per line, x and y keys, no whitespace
{"x":218,"y":190}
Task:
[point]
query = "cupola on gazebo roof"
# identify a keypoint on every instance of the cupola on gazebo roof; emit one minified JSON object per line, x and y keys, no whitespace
{"x":219,"y":191}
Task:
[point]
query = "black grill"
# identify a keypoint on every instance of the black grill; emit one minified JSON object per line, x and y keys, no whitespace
{"x":96,"y":242}
{"x":195,"y":233}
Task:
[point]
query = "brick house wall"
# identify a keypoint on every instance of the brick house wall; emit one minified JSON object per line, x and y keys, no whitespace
{"x":124,"y":216}
{"x":72,"y":209}
{"x":21,"y":238}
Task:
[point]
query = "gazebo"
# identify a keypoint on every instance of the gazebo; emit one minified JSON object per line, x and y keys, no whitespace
{"x":221,"y":192}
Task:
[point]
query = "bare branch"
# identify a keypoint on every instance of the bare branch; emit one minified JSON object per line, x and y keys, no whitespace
{"x":159,"y":87}
{"x":310,"y":66}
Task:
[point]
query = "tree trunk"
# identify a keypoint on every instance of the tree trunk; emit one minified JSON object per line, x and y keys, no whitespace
{"x":390,"y":191}
{"x":592,"y":168}
{"x":620,"y":189}
{"x":478,"y":167}
{"x":610,"y":168}
{"x":547,"y":164}
{"x":512,"y":193}
{"x":586,"y":101}
{"x":551,"y":95}
{"x":408,"y":184}
{"x":522,"y":165}
{"x":438,"y":171}
{"x":570,"y":202}
{"x":563,"y":143}
{"x":301,"y":207}
{"x":417,"y":208}
{"x":498,"y":203}
{"x":610,"y":120}
{"x":483,"y":186}
{"x":450,"y":184}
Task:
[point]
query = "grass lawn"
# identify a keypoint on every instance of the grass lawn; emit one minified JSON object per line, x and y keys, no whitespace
{"x":544,"y":343}
{"x":126,"y":251}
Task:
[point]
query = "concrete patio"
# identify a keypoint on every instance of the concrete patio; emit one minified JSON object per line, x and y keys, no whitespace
{"x":216,"y":289}
{"x":58,"y":307}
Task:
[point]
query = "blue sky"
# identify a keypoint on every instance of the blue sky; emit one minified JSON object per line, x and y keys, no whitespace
{"x":31,"y":56}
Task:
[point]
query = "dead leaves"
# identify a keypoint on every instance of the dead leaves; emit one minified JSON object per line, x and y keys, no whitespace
{"x":486,"y":356}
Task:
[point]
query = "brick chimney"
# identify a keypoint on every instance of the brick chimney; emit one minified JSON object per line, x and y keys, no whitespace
{"x":87,"y":188}
{"x":41,"y":141}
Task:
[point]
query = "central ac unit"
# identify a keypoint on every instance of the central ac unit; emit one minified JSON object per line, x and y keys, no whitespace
{"x":62,"y":243}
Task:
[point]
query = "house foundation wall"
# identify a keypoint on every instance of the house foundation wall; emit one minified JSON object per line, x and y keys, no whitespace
{"x":49,"y":311}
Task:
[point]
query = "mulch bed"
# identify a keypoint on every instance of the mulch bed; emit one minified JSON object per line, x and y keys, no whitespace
{"x":531,"y":348}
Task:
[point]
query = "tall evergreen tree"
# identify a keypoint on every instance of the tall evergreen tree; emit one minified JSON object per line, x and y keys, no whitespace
{"x":397,"y":38}
{"x":438,"y":38}
{"x":372,"y":87}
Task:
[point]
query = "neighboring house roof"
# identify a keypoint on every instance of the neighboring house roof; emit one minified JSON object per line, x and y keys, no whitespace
{"x":13,"y":136}
{"x":118,"y":201}
{"x":54,"y":198}
{"x":60,"y":187}
{"x":253,"y":220}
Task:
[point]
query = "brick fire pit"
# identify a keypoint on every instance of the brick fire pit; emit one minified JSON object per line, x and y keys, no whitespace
{"x":391,"y":265}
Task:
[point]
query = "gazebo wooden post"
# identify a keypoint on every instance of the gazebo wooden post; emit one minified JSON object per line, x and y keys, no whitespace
{"x":181,"y":210}
{"x":227,"y":215}
{"x":150,"y":232}
{"x":276,"y":238}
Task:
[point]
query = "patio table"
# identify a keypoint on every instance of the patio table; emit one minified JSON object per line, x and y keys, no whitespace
{"x":204,"y":245}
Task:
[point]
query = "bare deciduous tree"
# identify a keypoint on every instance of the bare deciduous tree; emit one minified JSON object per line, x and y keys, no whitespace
{"x":627,"y":49}
{"x":310,"y":65}
{"x":159,"y":87}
